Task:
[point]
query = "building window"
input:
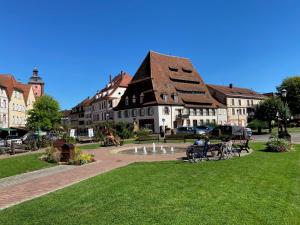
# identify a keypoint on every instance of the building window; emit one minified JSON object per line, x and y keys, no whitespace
{"x":207,"y":121}
{"x":188,"y":123}
{"x":166,"y":110}
{"x":126,"y":113}
{"x":213,"y":121}
{"x":165,"y":97}
{"x":126,"y":101}
{"x":150,"y":111}
{"x":192,"y":112}
{"x":248,"y":103}
{"x":110,"y":104}
{"x":213,"y":112}
{"x":142,"y":98}
{"x":133,"y":99}
{"x":175,"y":97}
{"x":232,"y":101}
{"x":201,"y":112}
{"x":133,"y":112}
{"x":142,"y":112}
{"x":244,"y":111}
{"x":252,"y":102}
{"x":240,"y":102}
{"x":233,"y":111}
{"x":119,"y":114}
{"x":207,"y":112}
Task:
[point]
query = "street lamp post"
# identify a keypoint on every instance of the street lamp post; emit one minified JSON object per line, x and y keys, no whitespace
{"x":284,"y":95}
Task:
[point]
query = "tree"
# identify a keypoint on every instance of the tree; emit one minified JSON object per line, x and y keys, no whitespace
{"x":257,"y":125}
{"x":292,"y":85}
{"x":267,"y":111}
{"x":44,"y":115}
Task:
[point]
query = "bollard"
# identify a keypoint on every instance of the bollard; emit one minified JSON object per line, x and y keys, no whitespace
{"x":12,"y":148}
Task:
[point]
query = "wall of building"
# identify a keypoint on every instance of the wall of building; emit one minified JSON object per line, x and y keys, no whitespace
{"x":237,"y":110}
{"x":17,"y":110}
{"x":166,"y":116}
{"x":3,"y":108}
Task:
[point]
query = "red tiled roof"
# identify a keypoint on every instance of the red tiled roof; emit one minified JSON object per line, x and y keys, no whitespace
{"x":9,"y":82}
{"x":236,"y":91}
{"x":168,"y":75}
{"x":120,"y":80}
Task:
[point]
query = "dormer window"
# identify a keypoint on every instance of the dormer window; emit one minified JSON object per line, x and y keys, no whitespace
{"x":133,"y":99}
{"x":142,"y":98}
{"x":126,"y":101}
{"x":175,"y":97}
{"x":186,"y":70}
{"x":165,"y":97}
{"x":173,"y":69}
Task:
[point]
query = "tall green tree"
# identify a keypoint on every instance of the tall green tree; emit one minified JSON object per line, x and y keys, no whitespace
{"x":292,"y":85}
{"x":44,"y":115}
{"x":267,"y":111}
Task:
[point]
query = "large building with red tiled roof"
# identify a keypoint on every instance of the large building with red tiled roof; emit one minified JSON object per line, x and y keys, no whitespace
{"x":240,"y":102}
{"x":167,"y":91}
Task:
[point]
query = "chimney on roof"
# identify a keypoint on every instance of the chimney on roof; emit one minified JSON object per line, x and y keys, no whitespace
{"x":110,"y":78}
{"x":230,"y":85}
{"x":122,"y":74}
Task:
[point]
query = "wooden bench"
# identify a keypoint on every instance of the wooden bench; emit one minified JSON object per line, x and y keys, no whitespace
{"x":241,"y":145}
{"x":83,"y":139}
{"x":175,"y":137}
{"x":148,"y":138}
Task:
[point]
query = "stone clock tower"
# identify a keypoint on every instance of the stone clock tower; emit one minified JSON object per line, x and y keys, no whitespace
{"x":37,"y":83}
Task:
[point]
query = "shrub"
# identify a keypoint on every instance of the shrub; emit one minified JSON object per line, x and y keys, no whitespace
{"x":81,"y":158}
{"x":143,"y":132}
{"x":52,"y":155}
{"x":276,"y":144}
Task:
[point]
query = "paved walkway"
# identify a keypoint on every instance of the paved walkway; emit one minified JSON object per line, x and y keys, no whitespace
{"x":24,"y":187}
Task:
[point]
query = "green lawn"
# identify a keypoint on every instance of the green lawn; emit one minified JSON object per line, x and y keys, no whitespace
{"x":262,"y":188}
{"x":21,"y":164}
{"x":275,"y":130}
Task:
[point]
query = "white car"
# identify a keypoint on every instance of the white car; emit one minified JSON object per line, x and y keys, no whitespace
{"x":14,"y":139}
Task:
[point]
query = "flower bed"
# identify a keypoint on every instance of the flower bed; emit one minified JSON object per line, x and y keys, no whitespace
{"x":276,"y":144}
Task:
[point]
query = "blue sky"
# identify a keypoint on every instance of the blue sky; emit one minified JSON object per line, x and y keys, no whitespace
{"x":77,"y":44}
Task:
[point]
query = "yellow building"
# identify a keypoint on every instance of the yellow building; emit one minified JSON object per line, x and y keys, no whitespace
{"x":240,"y":102}
{"x":20,"y":97}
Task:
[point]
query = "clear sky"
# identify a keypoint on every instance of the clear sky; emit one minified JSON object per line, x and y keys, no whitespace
{"x":77,"y":44}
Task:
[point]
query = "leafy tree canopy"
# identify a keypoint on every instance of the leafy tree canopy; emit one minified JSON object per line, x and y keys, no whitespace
{"x":292,"y":85}
{"x":45,"y":114}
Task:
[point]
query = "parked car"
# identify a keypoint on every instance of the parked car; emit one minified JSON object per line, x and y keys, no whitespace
{"x":185,"y":130}
{"x":249,"y":132}
{"x":203,"y":129}
{"x":13,"y":138}
{"x":229,"y":131}
{"x":2,"y":142}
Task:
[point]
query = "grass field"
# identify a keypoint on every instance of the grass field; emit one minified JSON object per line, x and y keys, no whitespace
{"x":262,"y":188}
{"x":275,"y":130}
{"x":21,"y":164}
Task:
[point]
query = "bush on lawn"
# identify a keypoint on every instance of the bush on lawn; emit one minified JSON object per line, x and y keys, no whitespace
{"x":52,"y":155}
{"x":276,"y":144}
{"x":81,"y":158}
{"x":143,"y":132}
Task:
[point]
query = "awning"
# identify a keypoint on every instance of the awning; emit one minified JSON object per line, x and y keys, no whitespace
{"x":8,"y":129}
